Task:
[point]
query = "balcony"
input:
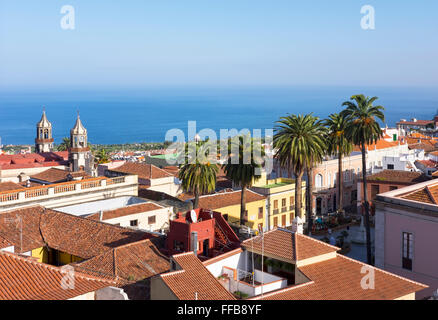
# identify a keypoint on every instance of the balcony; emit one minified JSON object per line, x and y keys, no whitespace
{"x":284,"y":209}
{"x":275,"y":211}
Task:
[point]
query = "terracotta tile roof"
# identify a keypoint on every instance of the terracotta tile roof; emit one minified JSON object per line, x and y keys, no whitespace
{"x":125,"y":211}
{"x":223,"y":199}
{"x":173,"y":170}
{"x":287,"y":245}
{"x":194,"y":280}
{"x":143,"y":170}
{"x":128,"y":263}
{"x":340,"y":279}
{"x":422,"y":146}
{"x":428,"y":163}
{"x":25,"y":279}
{"x":6,"y":186}
{"x":222,"y":256}
{"x":33,"y":160}
{"x":54,"y":175}
{"x":4,"y":243}
{"x":428,"y":194}
{"x":81,"y":237}
{"x":398,"y":176}
{"x":381,"y":144}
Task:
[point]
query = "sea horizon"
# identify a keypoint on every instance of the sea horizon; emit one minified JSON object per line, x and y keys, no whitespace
{"x":136,"y":115}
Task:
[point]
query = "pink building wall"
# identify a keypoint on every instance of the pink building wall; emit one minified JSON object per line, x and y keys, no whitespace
{"x":425,"y":251}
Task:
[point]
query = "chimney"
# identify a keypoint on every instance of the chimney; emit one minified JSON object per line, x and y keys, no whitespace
{"x":101,"y":215}
{"x":297,"y":225}
{"x":194,"y":242}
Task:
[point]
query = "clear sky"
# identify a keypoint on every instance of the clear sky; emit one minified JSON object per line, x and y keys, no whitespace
{"x":218,"y":42}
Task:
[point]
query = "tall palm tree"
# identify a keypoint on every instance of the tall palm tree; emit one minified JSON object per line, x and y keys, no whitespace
{"x":198,"y":173}
{"x":338,"y":145}
{"x":242,"y":166}
{"x":297,"y":139}
{"x":316,"y":157}
{"x":64,"y":145}
{"x":363,"y":129}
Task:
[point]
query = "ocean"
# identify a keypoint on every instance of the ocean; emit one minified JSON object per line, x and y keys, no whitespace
{"x":145,"y":115}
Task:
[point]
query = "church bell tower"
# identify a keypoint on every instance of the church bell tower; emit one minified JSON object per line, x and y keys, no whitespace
{"x":80,"y":155}
{"x":44,"y":139}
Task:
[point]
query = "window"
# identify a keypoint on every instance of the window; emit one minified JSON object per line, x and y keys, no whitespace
{"x":133,"y":223}
{"x":391,"y":188}
{"x":283,"y":202}
{"x":318,"y":181}
{"x":151,"y":220}
{"x":283,"y":220}
{"x":275,"y":221}
{"x":275,"y":204}
{"x":178,"y":245}
{"x":390,"y":167}
{"x":375,"y":190}
{"x":408,"y":241}
{"x":292,"y":203}
{"x":260,"y":213}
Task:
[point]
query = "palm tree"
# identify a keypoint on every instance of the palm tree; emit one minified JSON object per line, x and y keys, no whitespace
{"x":316,"y":157}
{"x":362,"y":130}
{"x":299,"y":141}
{"x":198,"y":173}
{"x":338,"y":145}
{"x":243,"y":165}
{"x":101,"y":156}
{"x":64,"y":145}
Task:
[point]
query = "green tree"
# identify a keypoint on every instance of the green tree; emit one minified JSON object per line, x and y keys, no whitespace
{"x":101,"y":156}
{"x":299,"y":141}
{"x":363,"y":129}
{"x":338,"y":145}
{"x":64,"y":145}
{"x":198,"y":173}
{"x":244,"y":166}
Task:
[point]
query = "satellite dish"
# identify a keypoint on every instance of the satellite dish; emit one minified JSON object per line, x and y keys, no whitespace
{"x":193,"y":216}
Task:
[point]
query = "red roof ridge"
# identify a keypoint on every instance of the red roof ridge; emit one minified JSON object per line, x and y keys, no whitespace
{"x":319,"y":241}
{"x":222,"y":256}
{"x":381,"y":270}
{"x":173,"y":273}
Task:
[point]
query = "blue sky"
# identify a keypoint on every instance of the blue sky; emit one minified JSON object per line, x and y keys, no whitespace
{"x":228,"y":42}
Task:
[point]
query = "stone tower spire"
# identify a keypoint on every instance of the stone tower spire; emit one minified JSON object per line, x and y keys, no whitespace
{"x":44,"y":139}
{"x":80,"y":156}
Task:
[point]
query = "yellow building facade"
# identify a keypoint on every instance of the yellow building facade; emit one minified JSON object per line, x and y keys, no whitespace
{"x":54,"y":257}
{"x":280,"y":202}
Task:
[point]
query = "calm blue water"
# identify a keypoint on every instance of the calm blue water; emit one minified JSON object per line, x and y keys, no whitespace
{"x":145,"y":115}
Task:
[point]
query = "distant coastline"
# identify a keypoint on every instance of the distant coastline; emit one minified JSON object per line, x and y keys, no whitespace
{"x":143,"y":116}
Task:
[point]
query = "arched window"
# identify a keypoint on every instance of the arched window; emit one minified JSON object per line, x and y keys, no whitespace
{"x":318,"y":181}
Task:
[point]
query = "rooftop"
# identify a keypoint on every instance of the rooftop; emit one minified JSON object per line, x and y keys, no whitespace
{"x":54,"y":175}
{"x":33,"y":160}
{"x":288,"y":246}
{"x":223,"y":199}
{"x":131,"y":262}
{"x":194,"y":281}
{"x":398,"y":176}
{"x":125,"y":211}
{"x":340,"y":278}
{"x":25,"y":279}
{"x":84,"y":238}
{"x":142,"y":170}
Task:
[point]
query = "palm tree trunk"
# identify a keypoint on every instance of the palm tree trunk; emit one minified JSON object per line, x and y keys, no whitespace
{"x":196,"y":204}
{"x":309,"y":189}
{"x":243,"y":206}
{"x":340,"y":185}
{"x":298,"y":194}
{"x":366,"y":205}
